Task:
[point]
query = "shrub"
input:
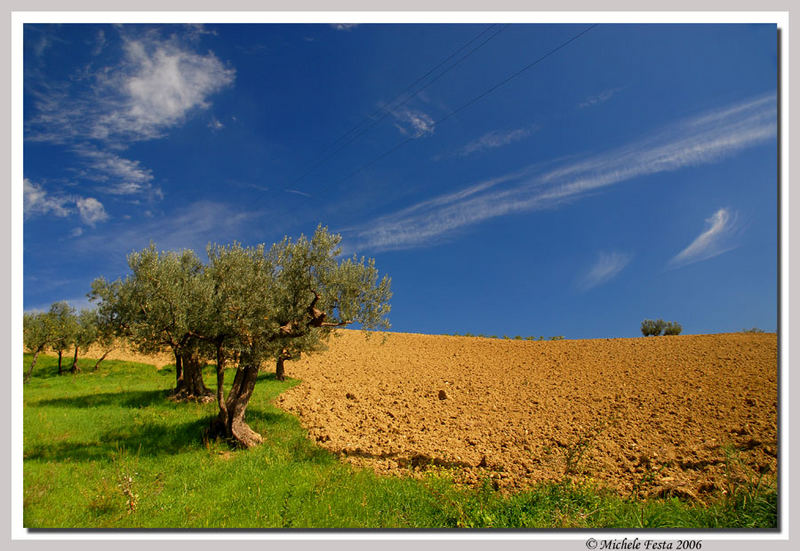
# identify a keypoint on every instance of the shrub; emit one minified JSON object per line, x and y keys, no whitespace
{"x":651,"y":328}
{"x":659,"y":326}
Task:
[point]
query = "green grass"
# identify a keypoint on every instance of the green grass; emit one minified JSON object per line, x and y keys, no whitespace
{"x":107,"y":449}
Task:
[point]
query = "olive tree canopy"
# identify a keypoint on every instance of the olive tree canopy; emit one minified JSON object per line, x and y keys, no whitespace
{"x":280,"y":303}
{"x":156,"y":308}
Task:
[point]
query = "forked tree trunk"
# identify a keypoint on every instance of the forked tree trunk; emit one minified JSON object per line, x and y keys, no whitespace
{"x":74,"y":368}
{"x":280,"y":369}
{"x":230,"y":423}
{"x":103,"y":357}
{"x":33,"y":363}
{"x":59,"y":362}
{"x":191,"y":385}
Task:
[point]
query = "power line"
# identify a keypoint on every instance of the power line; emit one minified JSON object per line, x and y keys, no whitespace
{"x":409,"y":87}
{"x":468,"y":103}
{"x":391,"y":106}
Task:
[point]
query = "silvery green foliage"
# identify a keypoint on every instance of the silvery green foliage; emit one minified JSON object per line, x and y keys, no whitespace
{"x":250,"y":303}
{"x":37,"y":330}
{"x":64,"y":325}
{"x":158,"y":304}
{"x":87,"y":329}
{"x":657,"y":327}
{"x":262,"y":299}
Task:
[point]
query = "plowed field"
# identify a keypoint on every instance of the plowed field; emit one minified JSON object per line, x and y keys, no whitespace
{"x":681,"y":415}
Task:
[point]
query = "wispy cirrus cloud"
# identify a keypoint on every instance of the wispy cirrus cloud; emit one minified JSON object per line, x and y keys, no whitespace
{"x":700,"y":140}
{"x":606,"y":267}
{"x":344,"y":26}
{"x":602,"y":97}
{"x":494,"y":140}
{"x":721,"y":227}
{"x":297,"y":192}
{"x":413,"y":122}
{"x":121,"y":176}
{"x":192,"y":226}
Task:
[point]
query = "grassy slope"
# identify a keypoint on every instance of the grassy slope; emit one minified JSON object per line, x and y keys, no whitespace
{"x":108,"y":450}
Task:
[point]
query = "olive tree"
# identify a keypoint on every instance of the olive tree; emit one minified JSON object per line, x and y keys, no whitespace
{"x":156,"y":308}
{"x":85,"y":334}
{"x":107,"y":330}
{"x":64,"y":326}
{"x":37,"y":334}
{"x":277,"y":304}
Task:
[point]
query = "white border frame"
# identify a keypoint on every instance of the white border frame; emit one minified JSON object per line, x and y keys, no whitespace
{"x":19,"y":18}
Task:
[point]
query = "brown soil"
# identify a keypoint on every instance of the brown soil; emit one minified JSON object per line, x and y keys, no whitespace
{"x":682,"y":415}
{"x":123,"y":353}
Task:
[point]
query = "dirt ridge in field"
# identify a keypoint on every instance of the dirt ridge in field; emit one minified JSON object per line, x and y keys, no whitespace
{"x":681,"y":415}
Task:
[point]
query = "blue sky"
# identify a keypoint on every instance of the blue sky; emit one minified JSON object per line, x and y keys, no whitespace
{"x":511,"y":179}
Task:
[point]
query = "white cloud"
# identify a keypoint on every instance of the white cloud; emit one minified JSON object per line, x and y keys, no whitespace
{"x":91,"y":210}
{"x":495,"y":139}
{"x":37,"y":201}
{"x":344,"y":26}
{"x":700,"y":140}
{"x":413,"y":122}
{"x":715,"y":240}
{"x":606,"y":267}
{"x":297,"y":192}
{"x":122,"y":176}
{"x":602,"y":97}
{"x":100,"y":42}
{"x":159,"y":84}
{"x":192,"y":226}
{"x":215,"y":124}
{"x":153,"y":88}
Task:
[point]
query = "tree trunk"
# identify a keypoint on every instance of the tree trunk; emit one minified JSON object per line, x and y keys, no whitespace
{"x":280,"y":371}
{"x":74,"y":368}
{"x":230,"y":423}
{"x":103,"y":357}
{"x":223,"y":408}
{"x":178,"y":370}
{"x":191,"y":385}
{"x":59,"y":362}
{"x":33,"y":363}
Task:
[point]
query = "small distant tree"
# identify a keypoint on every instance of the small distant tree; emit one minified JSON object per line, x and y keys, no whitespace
{"x":64,"y":327}
{"x":649,"y":328}
{"x":37,"y":334}
{"x":657,"y":327}
{"x":86,"y":333}
{"x":107,"y":332}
